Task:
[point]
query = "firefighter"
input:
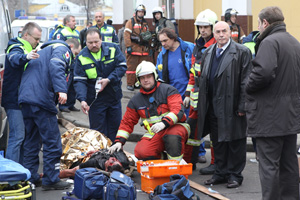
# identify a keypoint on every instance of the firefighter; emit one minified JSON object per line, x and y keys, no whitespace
{"x":97,"y":80}
{"x":137,"y":48}
{"x":237,"y":33}
{"x":160,"y":21}
{"x":43,"y":84}
{"x":204,"y":22}
{"x":159,"y":106}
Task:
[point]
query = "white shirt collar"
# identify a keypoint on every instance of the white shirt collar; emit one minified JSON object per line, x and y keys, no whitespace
{"x":225,"y":46}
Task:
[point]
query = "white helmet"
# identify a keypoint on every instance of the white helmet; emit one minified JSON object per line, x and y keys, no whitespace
{"x":145,"y":68}
{"x":157,"y":9}
{"x":206,"y":18}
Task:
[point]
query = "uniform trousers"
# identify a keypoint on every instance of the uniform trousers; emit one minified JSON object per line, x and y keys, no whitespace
{"x":106,"y":118}
{"x":41,"y":127}
{"x":132,"y":62}
{"x":172,"y":140}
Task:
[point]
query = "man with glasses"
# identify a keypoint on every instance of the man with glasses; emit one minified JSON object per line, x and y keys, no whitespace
{"x":18,"y":53}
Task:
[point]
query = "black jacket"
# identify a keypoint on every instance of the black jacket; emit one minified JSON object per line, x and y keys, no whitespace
{"x":228,"y":93}
{"x":273,"y":100}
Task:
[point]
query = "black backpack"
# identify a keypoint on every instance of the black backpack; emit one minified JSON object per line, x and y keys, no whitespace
{"x":173,"y":20}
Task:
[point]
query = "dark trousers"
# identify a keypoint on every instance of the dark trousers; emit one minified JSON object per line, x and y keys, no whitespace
{"x":230,"y":157}
{"x":106,"y":118}
{"x":278,"y":167}
{"x":41,"y":125}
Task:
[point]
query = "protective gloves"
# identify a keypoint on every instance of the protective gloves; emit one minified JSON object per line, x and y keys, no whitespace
{"x":32,"y":55}
{"x":186,"y":102}
{"x":158,"y":127}
{"x":116,"y":147}
{"x":129,"y":50}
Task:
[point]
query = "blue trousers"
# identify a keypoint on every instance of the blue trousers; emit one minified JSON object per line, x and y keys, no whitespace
{"x":16,"y":135}
{"x":106,"y":118}
{"x":41,"y":127}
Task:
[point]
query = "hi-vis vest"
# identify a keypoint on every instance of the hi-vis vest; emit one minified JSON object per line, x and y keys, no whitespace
{"x":90,"y":66}
{"x":25,"y":46}
{"x":66,"y":32}
{"x":106,"y":33}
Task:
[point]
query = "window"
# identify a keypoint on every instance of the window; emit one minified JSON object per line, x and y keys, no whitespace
{"x":168,"y":7}
{"x":80,"y":22}
{"x":64,"y":8}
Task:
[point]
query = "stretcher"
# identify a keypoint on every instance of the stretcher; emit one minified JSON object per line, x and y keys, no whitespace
{"x":13,"y":181}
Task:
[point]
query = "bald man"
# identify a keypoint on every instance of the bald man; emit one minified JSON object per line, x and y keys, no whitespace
{"x":221,"y":104}
{"x":108,"y":32}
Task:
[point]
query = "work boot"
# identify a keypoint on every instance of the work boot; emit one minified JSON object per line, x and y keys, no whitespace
{"x":60,"y":185}
{"x":208,"y":170}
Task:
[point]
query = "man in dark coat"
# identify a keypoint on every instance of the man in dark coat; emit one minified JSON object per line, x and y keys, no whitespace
{"x":224,"y":69}
{"x":273,"y":106}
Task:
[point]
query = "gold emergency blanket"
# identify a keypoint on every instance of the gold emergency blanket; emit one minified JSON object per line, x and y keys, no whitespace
{"x":77,"y":142}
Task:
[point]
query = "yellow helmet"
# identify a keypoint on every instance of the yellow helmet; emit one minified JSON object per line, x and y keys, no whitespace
{"x":206,"y":18}
{"x":145,"y":68}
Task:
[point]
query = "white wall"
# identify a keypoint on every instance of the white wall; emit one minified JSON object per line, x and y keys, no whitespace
{"x":184,"y":9}
{"x":242,"y":6}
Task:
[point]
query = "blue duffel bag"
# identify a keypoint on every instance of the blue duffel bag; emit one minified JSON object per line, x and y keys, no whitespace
{"x":89,"y":183}
{"x":119,"y":187}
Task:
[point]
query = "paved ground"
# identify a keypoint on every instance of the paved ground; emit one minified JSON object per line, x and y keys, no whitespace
{"x":249,"y":190}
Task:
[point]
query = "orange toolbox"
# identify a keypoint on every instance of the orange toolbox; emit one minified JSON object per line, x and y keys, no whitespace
{"x":157,"y":172}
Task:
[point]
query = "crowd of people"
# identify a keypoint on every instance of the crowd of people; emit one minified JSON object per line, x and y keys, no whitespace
{"x":225,"y":84}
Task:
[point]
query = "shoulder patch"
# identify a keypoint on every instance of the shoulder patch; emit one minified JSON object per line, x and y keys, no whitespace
{"x":67,"y":54}
{"x":58,"y":36}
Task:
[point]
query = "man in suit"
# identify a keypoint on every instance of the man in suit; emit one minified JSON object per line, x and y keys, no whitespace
{"x":224,"y":69}
{"x":272,"y":106}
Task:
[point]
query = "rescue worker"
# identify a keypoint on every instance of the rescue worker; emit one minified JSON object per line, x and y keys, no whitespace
{"x":237,"y":33}
{"x":204,"y":22}
{"x":136,"y":47}
{"x":43,"y":84}
{"x":174,"y":61}
{"x":159,"y":106}
{"x":63,"y":33}
{"x":107,"y":32}
{"x":67,"y":31}
{"x":159,"y":21}
{"x":97,"y":80}
{"x":18,"y":53}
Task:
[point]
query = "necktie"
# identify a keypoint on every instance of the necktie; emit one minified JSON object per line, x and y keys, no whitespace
{"x":219,"y":51}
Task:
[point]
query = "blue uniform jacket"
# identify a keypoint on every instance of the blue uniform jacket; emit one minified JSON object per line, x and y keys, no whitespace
{"x":64,"y":33}
{"x":14,"y":66}
{"x":162,"y":62}
{"x":44,"y":77}
{"x":112,"y":66}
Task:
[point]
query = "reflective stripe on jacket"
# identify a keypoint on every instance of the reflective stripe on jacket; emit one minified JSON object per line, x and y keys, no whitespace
{"x":166,"y":106}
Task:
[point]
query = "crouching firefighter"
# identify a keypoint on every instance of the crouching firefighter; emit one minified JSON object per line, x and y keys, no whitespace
{"x":160,"y":108}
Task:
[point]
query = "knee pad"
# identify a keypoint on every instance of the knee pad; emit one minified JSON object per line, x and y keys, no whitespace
{"x":173,"y":145}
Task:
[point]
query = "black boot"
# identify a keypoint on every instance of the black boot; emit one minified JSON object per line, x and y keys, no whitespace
{"x":208,"y":170}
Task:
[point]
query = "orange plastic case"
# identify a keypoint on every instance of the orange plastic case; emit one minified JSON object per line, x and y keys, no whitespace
{"x":157,"y":172}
